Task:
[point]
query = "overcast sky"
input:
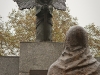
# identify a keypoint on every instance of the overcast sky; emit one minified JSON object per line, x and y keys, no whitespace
{"x":87,"y":11}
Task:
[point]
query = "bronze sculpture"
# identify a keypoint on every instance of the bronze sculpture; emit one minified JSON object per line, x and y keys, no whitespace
{"x":76,"y":58}
{"x":44,"y":10}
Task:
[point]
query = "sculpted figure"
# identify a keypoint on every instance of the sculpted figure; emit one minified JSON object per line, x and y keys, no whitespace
{"x":76,"y":58}
{"x":44,"y":10}
{"x":44,"y":21}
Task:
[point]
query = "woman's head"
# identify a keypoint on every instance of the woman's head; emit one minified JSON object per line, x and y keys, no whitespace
{"x":76,"y":36}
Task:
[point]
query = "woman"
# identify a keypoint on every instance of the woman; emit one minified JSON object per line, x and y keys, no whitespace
{"x":76,"y":58}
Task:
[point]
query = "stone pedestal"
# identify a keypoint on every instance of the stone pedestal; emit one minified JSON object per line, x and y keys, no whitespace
{"x":9,"y":65}
{"x":38,"y":55}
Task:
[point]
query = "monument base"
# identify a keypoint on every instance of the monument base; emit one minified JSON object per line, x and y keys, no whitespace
{"x":38,"y":55}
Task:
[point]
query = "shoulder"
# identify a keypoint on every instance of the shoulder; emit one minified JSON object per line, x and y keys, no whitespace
{"x":97,"y":71}
{"x":54,"y":69}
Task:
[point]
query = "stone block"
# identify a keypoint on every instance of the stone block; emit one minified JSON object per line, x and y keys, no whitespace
{"x":38,"y":55}
{"x":9,"y":65}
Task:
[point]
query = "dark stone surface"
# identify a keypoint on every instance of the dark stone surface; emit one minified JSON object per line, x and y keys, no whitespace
{"x":9,"y":65}
{"x":38,"y":72}
{"x":38,"y":56}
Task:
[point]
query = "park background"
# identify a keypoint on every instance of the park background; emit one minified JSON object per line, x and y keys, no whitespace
{"x":19,"y":26}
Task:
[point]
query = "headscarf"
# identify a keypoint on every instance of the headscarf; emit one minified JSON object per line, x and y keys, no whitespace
{"x":76,"y":58}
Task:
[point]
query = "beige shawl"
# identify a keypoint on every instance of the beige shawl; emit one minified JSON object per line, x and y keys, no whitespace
{"x":76,"y":58}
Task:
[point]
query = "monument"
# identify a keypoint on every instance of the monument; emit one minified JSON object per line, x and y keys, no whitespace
{"x":44,"y":10}
{"x":37,"y":56}
{"x":76,"y":58}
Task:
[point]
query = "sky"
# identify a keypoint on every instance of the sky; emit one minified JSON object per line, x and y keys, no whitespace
{"x":87,"y":11}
